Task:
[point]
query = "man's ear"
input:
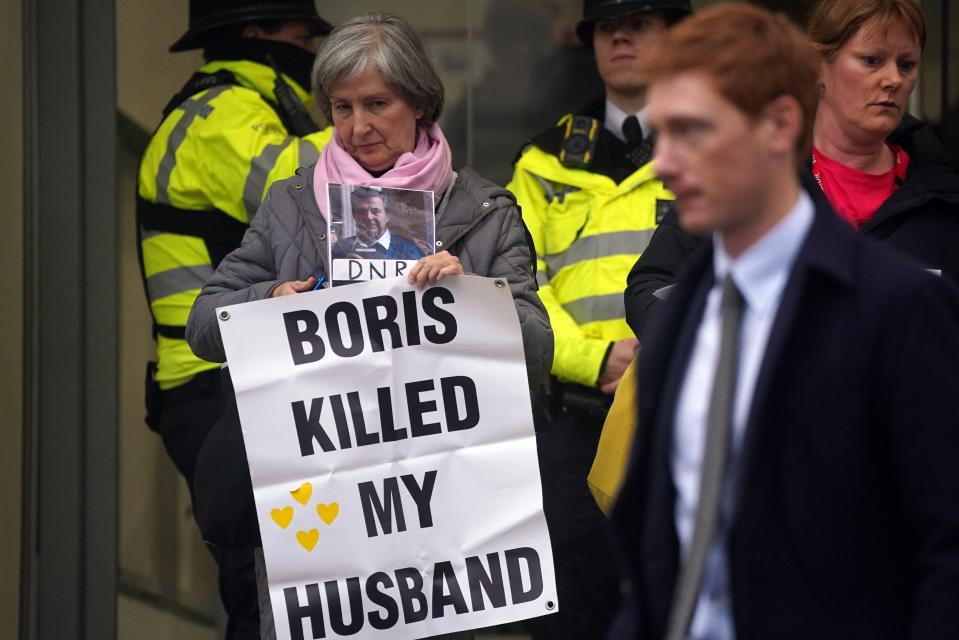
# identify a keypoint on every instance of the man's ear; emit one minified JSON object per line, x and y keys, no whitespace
{"x":784,"y":122}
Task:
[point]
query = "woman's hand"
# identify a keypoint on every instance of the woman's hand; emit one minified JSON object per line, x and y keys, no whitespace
{"x":432,"y":269}
{"x":294,"y":286}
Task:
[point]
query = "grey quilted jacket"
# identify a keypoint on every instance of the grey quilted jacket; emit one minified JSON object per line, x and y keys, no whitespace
{"x":480,"y":224}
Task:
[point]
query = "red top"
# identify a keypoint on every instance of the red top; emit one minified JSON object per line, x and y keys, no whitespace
{"x":854,"y":194}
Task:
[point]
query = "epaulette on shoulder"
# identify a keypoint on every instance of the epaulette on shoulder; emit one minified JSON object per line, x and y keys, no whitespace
{"x":551,"y":140}
{"x":198,"y":82}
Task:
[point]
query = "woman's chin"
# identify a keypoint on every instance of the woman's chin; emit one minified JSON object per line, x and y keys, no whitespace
{"x":882,"y":126}
{"x":375,"y":165}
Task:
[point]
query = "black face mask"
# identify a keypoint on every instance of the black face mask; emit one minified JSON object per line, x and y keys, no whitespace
{"x":292,"y":60}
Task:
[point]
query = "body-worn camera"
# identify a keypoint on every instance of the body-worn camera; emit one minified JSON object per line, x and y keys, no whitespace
{"x":579,"y":142}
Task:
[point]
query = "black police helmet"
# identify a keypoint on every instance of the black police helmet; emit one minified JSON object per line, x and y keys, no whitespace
{"x":207,"y":16}
{"x":595,"y":10}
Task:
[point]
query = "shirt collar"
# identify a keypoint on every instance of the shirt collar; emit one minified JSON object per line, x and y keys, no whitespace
{"x":760,"y":273}
{"x":383,"y":240}
{"x":616,"y":116}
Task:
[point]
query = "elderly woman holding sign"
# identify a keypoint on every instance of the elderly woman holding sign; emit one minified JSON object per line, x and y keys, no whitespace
{"x":376,"y":84}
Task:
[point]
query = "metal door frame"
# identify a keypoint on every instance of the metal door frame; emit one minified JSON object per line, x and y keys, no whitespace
{"x":69,"y":552}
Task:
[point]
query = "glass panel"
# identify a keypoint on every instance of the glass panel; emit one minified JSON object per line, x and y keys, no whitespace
{"x":528,"y":70}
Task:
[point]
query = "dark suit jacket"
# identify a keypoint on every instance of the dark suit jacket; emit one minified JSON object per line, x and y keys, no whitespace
{"x":846,"y":522}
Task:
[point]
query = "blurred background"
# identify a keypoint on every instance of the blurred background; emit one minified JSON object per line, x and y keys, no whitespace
{"x":97,"y":538}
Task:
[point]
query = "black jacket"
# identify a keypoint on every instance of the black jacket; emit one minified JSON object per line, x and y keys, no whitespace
{"x":921,"y":219}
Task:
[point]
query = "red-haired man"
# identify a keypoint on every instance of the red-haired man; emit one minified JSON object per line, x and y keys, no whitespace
{"x":795,"y":473}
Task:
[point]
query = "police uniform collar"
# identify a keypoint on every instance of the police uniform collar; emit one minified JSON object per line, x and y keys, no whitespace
{"x":291,"y":60}
{"x":615,"y":117}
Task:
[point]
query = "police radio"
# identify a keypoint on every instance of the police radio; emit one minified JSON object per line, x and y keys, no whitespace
{"x":290,"y":108}
{"x":579,"y":142}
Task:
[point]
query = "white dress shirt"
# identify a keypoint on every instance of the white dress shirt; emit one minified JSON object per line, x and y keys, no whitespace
{"x":615,"y":117}
{"x":383,"y":240}
{"x":760,"y":274}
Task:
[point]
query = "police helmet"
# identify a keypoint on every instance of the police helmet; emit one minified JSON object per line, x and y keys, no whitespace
{"x":207,"y":16}
{"x":595,"y":10}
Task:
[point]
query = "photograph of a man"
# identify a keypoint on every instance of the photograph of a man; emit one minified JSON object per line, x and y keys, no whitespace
{"x":373,"y":239}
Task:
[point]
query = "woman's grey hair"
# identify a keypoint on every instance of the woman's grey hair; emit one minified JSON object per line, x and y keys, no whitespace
{"x":387,"y":44}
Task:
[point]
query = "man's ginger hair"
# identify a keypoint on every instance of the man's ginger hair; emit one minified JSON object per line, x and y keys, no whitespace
{"x":751,"y":55}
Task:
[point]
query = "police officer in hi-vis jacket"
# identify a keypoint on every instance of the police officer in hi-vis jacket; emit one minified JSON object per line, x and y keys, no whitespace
{"x":240,"y":123}
{"x":591,"y":202}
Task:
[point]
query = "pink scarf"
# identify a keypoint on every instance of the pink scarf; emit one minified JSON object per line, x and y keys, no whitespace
{"x":428,"y":167}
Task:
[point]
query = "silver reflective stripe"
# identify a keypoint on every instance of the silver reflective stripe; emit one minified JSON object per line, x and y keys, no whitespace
{"x":541,"y":278}
{"x":308,"y":154}
{"x":600,"y":246}
{"x":167,"y":283}
{"x":596,"y":308}
{"x":193,"y":108}
{"x":259,"y":171}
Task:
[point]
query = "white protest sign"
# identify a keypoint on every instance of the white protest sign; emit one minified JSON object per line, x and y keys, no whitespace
{"x":391,"y":447}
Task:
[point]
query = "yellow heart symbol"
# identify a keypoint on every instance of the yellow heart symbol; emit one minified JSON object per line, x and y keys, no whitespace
{"x":282,"y":516}
{"x":328,"y":512}
{"x":302,"y":495}
{"x":308,"y":539}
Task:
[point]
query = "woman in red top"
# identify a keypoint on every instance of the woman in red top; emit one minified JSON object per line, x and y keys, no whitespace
{"x":881,"y":170}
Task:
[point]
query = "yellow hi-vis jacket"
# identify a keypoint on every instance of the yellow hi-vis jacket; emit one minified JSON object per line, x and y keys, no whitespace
{"x":218,"y":150}
{"x":588,"y":232}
